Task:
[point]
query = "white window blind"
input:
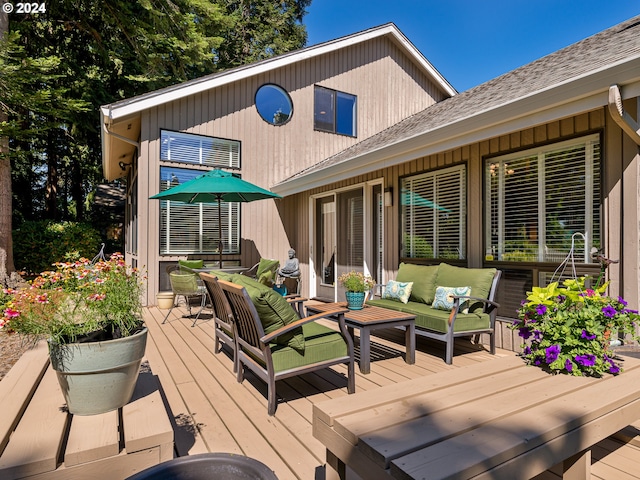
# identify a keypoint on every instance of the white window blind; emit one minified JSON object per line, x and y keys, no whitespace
{"x":433,"y":207}
{"x":199,"y":149}
{"x":536,"y":201}
{"x":193,"y":228}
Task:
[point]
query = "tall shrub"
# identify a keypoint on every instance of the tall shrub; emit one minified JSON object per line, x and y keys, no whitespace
{"x":37,"y":245}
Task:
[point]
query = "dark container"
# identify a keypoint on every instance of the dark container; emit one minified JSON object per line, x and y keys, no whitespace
{"x":209,"y":466}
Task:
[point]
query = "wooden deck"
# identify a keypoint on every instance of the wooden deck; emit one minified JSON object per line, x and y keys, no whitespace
{"x":214,"y":413}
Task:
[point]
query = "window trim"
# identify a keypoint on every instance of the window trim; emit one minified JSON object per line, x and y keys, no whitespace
{"x":462,"y":171}
{"x":538,"y":150}
{"x":334,"y":105}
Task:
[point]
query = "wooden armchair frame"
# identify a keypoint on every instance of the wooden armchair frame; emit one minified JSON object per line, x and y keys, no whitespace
{"x":253,"y":348}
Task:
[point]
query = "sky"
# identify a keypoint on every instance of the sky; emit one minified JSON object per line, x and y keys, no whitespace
{"x":472,"y":41}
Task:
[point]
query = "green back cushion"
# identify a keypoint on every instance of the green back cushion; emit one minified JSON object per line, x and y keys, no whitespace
{"x":191,"y":263}
{"x":479,"y":279}
{"x":266,"y":271}
{"x":423,"y":278}
{"x":274,"y":311}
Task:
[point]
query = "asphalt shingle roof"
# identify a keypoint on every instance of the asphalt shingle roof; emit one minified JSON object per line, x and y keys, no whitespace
{"x":607,"y":48}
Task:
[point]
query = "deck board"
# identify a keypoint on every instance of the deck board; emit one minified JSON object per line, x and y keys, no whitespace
{"x":222,"y":415}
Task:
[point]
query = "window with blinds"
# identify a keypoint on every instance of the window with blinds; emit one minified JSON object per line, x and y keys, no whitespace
{"x":198,"y":149}
{"x":536,"y":200}
{"x":193,"y":228}
{"x":433,"y":210}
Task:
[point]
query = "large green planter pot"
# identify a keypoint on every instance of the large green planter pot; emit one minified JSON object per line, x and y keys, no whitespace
{"x":98,"y":377}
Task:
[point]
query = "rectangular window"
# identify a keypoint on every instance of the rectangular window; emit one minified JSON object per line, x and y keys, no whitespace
{"x":433,"y":209}
{"x":536,"y":200}
{"x":199,"y":150}
{"x":193,"y":228}
{"x":334,"y":111}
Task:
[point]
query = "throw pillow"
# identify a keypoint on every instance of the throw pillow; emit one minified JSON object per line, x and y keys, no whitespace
{"x":398,"y":291}
{"x":274,"y":311}
{"x":444,"y":298}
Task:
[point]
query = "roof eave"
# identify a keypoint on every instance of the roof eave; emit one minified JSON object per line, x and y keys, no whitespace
{"x":132,"y":106}
{"x":558,"y":101}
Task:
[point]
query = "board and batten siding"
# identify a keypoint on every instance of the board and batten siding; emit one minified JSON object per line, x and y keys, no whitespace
{"x":388,"y":86}
{"x":621,"y":200}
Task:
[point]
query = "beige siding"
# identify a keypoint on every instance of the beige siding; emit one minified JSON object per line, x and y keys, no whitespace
{"x":620,"y":190}
{"x":388,"y":86}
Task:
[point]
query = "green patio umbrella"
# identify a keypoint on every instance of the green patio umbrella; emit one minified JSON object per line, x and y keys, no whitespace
{"x":216,"y":186}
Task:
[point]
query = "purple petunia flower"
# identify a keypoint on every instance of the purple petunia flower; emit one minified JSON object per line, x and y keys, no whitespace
{"x":552,"y":353}
{"x":587,"y":335}
{"x":622,"y":301}
{"x":568,"y":366}
{"x":614,"y":368}
{"x":524,"y":332}
{"x":537,"y":335}
{"x":541,"y":309}
{"x":527,"y":350}
{"x":586,"y":360}
{"x":609,"y":311}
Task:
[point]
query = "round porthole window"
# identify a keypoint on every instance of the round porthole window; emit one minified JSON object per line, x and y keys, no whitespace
{"x":274,"y":104}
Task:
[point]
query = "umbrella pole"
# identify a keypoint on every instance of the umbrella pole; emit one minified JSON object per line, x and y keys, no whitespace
{"x":220,"y":244}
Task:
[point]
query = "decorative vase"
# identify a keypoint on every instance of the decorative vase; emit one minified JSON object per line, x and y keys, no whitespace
{"x":355,"y":300}
{"x":97,"y":377}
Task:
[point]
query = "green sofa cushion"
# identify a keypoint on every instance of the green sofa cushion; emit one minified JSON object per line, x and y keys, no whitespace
{"x":320,"y":344}
{"x":437,"y":320}
{"x":479,"y":279}
{"x":266,"y":271}
{"x":423,"y":278}
{"x":274,"y":311}
{"x":191,"y":263}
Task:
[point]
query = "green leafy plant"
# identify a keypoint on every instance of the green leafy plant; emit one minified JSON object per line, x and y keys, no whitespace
{"x":568,"y":329}
{"x":79,"y":301}
{"x":356,"y":281}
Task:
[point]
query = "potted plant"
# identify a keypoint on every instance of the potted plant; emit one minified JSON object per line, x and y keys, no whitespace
{"x":356,"y":284}
{"x":90,"y":314}
{"x":569,"y":329}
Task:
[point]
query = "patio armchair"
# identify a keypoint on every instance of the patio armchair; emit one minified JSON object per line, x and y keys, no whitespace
{"x":185,"y":283}
{"x":277,"y":344}
{"x":224,"y":330}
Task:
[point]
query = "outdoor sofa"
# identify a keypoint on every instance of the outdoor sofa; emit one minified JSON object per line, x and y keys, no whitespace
{"x":448,"y":301}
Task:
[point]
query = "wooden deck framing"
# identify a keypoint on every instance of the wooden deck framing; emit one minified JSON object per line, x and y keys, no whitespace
{"x":214,"y":413}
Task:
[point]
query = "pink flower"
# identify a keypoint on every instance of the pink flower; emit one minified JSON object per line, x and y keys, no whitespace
{"x":11,"y":313}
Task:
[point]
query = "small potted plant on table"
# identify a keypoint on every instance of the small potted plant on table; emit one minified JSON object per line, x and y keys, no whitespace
{"x":90,"y":313}
{"x":356,"y":285}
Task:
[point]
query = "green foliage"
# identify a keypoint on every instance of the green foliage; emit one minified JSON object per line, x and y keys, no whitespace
{"x":38,"y":244}
{"x":77,"y":299}
{"x":356,"y":281}
{"x":568,"y":329}
{"x":417,"y":246}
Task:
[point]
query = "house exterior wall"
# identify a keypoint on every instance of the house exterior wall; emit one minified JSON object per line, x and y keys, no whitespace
{"x":388,"y":86}
{"x":620,"y":202}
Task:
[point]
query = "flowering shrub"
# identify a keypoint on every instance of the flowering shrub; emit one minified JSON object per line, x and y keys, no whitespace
{"x":356,"y":281}
{"x":76,"y":300}
{"x":568,"y":330}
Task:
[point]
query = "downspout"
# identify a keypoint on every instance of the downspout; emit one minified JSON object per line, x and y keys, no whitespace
{"x":622,"y":118}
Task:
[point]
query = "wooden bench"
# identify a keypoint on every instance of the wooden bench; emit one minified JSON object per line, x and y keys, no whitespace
{"x":39,"y":439}
{"x":496,"y":419}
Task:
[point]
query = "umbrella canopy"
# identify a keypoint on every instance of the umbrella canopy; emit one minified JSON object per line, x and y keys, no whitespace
{"x":216,"y":186}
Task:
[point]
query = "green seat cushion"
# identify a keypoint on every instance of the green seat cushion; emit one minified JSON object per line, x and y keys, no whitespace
{"x":227,"y":277}
{"x":423,"y":278}
{"x":274,"y":311}
{"x":320,"y":344}
{"x":479,"y":279}
{"x":266,"y":271}
{"x":437,"y":320}
{"x":191,"y":263}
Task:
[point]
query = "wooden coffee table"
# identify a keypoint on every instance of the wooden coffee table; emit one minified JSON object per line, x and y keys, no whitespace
{"x":372,"y":318}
